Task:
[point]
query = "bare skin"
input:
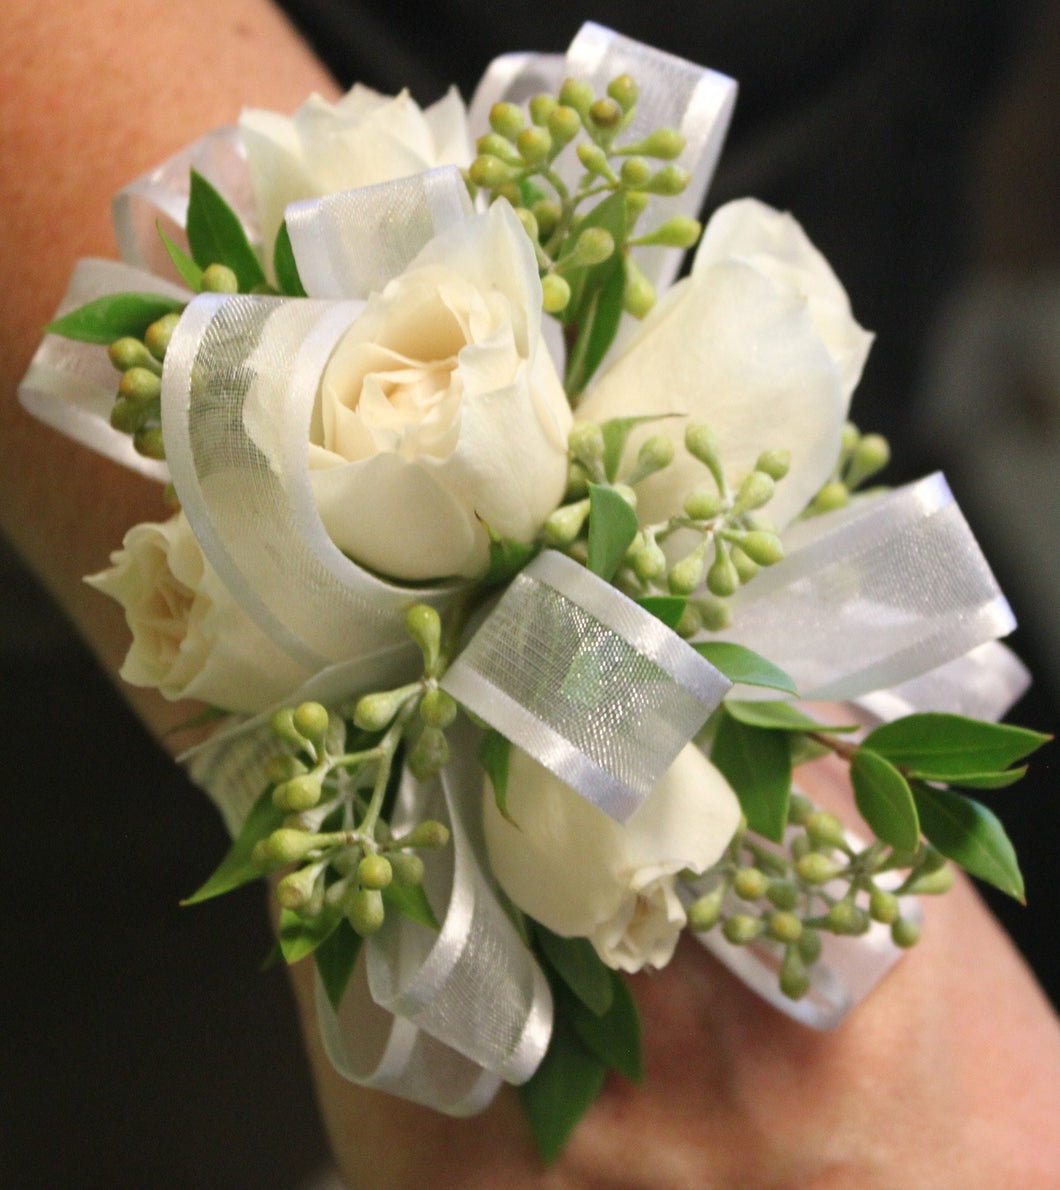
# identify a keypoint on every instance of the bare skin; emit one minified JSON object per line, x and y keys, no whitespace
{"x":947,"y":1078}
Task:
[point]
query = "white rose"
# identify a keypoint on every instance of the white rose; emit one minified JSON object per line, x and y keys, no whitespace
{"x":363,"y":139}
{"x":441,"y":412}
{"x":190,"y":638}
{"x":581,"y":874}
{"x":759,"y":343}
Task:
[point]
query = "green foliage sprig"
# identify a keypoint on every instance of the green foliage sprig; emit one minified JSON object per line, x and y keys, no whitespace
{"x":727,"y":539}
{"x":583,"y":235}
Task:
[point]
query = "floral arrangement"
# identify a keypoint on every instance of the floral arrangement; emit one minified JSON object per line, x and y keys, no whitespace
{"x":504,"y":562}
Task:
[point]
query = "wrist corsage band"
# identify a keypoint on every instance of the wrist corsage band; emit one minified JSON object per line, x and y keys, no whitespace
{"x":512,"y":562}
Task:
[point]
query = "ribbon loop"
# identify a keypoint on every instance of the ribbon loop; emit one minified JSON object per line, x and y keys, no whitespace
{"x":238,"y":395}
{"x":873,"y":596}
{"x":592,"y":686}
{"x":350,"y":244}
{"x":161,"y":195}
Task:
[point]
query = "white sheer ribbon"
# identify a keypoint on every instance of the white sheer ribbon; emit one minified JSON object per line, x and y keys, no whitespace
{"x":238,"y":395}
{"x":347,"y":245}
{"x":591,"y":685}
{"x":161,"y":197}
{"x":873,"y":596}
{"x":467,"y":999}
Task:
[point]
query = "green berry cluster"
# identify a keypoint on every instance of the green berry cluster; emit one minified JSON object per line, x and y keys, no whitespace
{"x":861,"y":456}
{"x":516,"y":161}
{"x":137,"y":409}
{"x":335,"y":830}
{"x":733,"y":540}
{"x":786,"y":899}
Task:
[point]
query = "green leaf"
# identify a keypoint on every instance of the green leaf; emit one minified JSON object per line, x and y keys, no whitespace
{"x":299,"y":937}
{"x":884,"y":800}
{"x":506,"y":558}
{"x":216,"y":236}
{"x":613,"y":216}
{"x":284,"y":265}
{"x":971,"y":835}
{"x":182,"y":262}
{"x":411,"y":903}
{"x":576,"y":962}
{"x":236,"y":868}
{"x":336,"y":958}
{"x":740,"y":664}
{"x":668,"y":608}
{"x":756,"y":761}
{"x":113,"y":317}
{"x":598,"y":326}
{"x":779,"y":716}
{"x":562,"y":1089}
{"x":613,"y":1037}
{"x":982,"y":780}
{"x":612,"y":527}
{"x":597,"y":295}
{"x":494,"y":753}
{"x":943,"y":747}
{"x":616,"y":431}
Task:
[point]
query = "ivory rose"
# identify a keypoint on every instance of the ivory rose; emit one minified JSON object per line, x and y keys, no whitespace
{"x":441,"y":412}
{"x":582,"y":874}
{"x":190,"y":639}
{"x":362,"y":139}
{"x":759,"y":343}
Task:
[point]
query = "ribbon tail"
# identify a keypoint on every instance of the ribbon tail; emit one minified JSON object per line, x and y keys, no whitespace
{"x":474,"y":985}
{"x":370,"y":1047}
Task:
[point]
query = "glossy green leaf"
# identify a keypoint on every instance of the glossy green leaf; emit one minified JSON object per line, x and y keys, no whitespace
{"x":562,"y":1089}
{"x":598,"y":327}
{"x":285,"y":266}
{"x":113,"y":317}
{"x":582,"y":970}
{"x":506,"y":559}
{"x":614,"y":1036}
{"x":612,"y":527}
{"x":884,"y":800}
{"x":944,"y":747}
{"x":756,"y":761}
{"x":613,"y":216}
{"x":336,"y":958}
{"x":494,"y":754}
{"x":411,"y":903}
{"x":189,"y":271}
{"x":1000,"y":780}
{"x":300,"y":937}
{"x":779,"y":716}
{"x":236,"y":868}
{"x":967,"y":832}
{"x":668,"y":608}
{"x":740,"y":664}
{"x":216,"y":236}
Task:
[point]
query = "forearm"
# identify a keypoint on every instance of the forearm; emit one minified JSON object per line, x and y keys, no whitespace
{"x":91,"y":96}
